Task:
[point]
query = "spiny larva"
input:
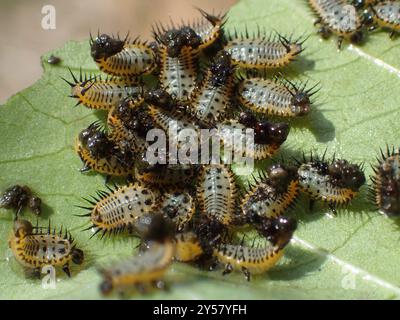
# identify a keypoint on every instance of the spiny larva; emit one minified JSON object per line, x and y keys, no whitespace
{"x":36,"y":247}
{"x":271,"y":195}
{"x":178,"y":69}
{"x":386,"y":182}
{"x":122,"y":58}
{"x":211,"y":100}
{"x":100,"y":154}
{"x":257,"y":259}
{"x":262,"y":51}
{"x":146,"y":270}
{"x":216,"y":193}
{"x":268,"y":136}
{"x":385,"y":14}
{"x":338,"y":17}
{"x":276,"y":96}
{"x":335,"y":182}
{"x":97,"y":93}
{"x":117,"y":210}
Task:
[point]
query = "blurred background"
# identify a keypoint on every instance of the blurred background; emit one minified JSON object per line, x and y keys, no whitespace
{"x":23,"y":40}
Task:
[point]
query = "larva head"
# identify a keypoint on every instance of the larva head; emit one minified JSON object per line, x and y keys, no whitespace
{"x":301,"y":103}
{"x":176,"y":39}
{"x":96,"y":141}
{"x":159,"y":98}
{"x":301,"y":97}
{"x":22,"y":228}
{"x":77,"y":256}
{"x":85,"y":134}
{"x":368,"y":18}
{"x":221,"y":69}
{"x":266,"y":132}
{"x":171,"y":209}
{"x":124,"y":110}
{"x":135,"y":119}
{"x":292,"y":47}
{"x":35,"y":205}
{"x":247,"y":119}
{"x":104,"y":47}
{"x":281,"y":174}
{"x":189,"y":37}
{"x":278,"y":231}
{"x":346,"y":175}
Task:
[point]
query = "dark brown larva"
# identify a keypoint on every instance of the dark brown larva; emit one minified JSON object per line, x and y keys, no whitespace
{"x":386,"y":182}
{"x":17,"y":197}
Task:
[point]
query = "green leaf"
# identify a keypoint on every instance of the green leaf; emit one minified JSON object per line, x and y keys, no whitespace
{"x":351,"y":256}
